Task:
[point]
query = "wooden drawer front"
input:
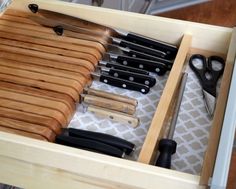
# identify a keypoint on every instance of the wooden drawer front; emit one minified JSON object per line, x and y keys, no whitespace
{"x":35,"y":164}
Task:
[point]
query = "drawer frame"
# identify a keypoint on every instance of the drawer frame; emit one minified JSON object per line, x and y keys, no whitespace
{"x":30,"y":163}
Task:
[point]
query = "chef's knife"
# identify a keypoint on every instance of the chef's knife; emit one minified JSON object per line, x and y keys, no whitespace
{"x":122,"y":144}
{"x":135,"y":77}
{"x":121,"y":83}
{"x":59,"y":27}
{"x":149,"y":65}
{"x":114,"y":65}
{"x":169,"y":50}
{"x":88,"y":144}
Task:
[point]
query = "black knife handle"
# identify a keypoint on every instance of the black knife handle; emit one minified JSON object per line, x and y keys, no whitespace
{"x":137,"y":54}
{"x":137,"y":78}
{"x":120,"y":143}
{"x":143,"y":49}
{"x":126,"y":68}
{"x":152,"y":66}
{"x":169,"y":50}
{"x":121,"y":83}
{"x":88,"y":144}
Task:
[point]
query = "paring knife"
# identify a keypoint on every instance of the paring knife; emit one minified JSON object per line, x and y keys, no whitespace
{"x":112,"y":96}
{"x":122,"y":67}
{"x":135,"y":77}
{"x":149,"y":65}
{"x":59,"y":27}
{"x":169,"y":50}
{"x":109,"y":104}
{"x":122,"y":144}
{"x":88,"y":144}
{"x":121,"y":83}
{"x":123,"y":118}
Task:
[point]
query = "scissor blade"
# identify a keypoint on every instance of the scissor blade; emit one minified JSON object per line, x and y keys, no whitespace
{"x":210,"y":101}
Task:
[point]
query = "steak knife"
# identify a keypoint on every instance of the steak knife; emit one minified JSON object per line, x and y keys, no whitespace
{"x":169,"y":50}
{"x":121,"y":83}
{"x":135,"y":77}
{"x":149,"y":65}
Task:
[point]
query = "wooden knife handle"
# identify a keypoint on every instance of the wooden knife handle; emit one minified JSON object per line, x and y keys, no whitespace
{"x":114,"y":115}
{"x":112,"y":96}
{"x":109,"y":104}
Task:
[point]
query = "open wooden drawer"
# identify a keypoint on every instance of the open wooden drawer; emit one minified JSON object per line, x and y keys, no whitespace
{"x":30,"y":163}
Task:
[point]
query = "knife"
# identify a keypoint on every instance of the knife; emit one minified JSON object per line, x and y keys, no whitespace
{"x":169,"y":50}
{"x":122,"y":67}
{"x":59,"y":27}
{"x":121,"y":83}
{"x":88,"y":144}
{"x":135,"y":77}
{"x":112,"y":96}
{"x":109,"y":104}
{"x":112,"y":115}
{"x":149,"y":65}
{"x":122,"y":144}
{"x":136,"y":54}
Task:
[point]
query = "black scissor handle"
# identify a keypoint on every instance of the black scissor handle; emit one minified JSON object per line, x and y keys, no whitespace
{"x":198,"y":70}
{"x":216,"y":71}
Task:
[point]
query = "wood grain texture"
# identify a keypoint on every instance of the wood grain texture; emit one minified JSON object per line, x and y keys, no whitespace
{"x":157,"y":127}
{"x":215,"y":130}
{"x":216,"y":12}
{"x":232,"y":173}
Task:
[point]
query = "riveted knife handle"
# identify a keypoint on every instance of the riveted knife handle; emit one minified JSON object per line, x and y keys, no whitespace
{"x":114,"y":116}
{"x":138,"y":78}
{"x":170,"y":50}
{"x":120,"y":143}
{"x":109,"y":104}
{"x":88,"y":144}
{"x":126,"y":68}
{"x":141,"y":48}
{"x":152,"y":66}
{"x":121,"y":83}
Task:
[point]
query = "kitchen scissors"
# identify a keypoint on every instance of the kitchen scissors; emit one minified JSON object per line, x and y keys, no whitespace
{"x":208,"y":70}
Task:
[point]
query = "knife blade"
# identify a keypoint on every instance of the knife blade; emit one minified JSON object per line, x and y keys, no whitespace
{"x":149,"y":65}
{"x":120,"y":143}
{"x":121,"y":83}
{"x":122,"y":67}
{"x":134,"y":77}
{"x":59,"y":28}
{"x":169,"y":50}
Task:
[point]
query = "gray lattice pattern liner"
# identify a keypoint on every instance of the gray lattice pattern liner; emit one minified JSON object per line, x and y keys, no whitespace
{"x":192,"y":127}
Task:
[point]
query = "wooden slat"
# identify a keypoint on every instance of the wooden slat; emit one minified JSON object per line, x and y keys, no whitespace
{"x":45,"y":32}
{"x":54,"y":57}
{"x":38,"y":101}
{"x":34,"y":109}
{"x":156,"y":129}
{"x":84,"y":59}
{"x":51,"y":123}
{"x":57,"y":97}
{"x":28,"y":127}
{"x":41,"y":69}
{"x":92,"y":54}
{"x":22,"y":133}
{"x":41,"y":85}
{"x":74,"y":85}
{"x":213,"y":141}
{"x":72,"y":68}
{"x":18,"y":19}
